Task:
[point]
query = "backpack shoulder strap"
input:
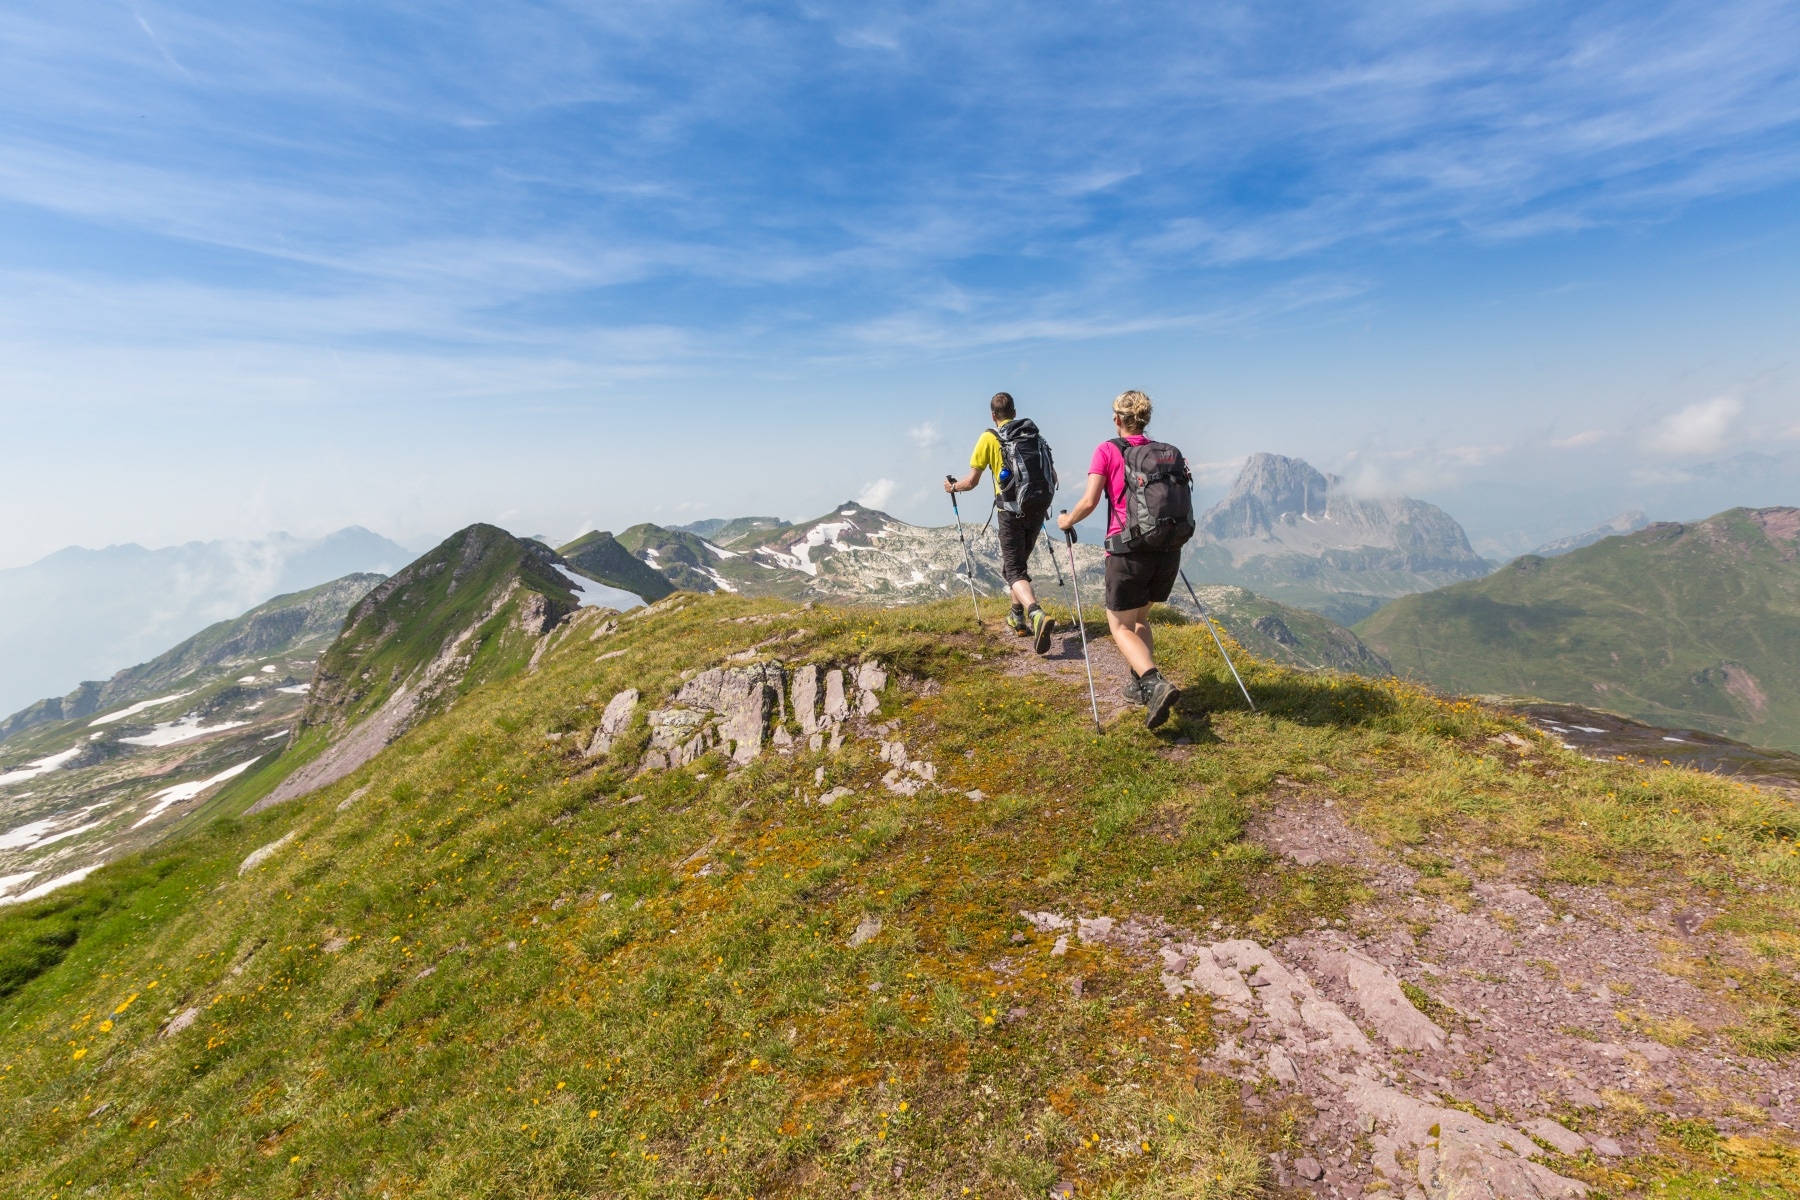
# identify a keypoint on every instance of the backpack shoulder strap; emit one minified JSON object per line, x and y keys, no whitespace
{"x":1122,"y":443}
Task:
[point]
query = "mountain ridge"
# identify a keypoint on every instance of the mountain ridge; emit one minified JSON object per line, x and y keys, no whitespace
{"x":469,"y":611}
{"x":1687,"y":624}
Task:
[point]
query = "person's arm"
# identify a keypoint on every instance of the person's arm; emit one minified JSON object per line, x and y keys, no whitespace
{"x":1090,"y":500}
{"x":977,"y":462}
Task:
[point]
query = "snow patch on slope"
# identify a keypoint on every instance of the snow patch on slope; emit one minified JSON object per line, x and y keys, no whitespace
{"x":137,"y":708}
{"x":826,"y":532}
{"x":42,"y":766}
{"x":591,"y":593}
{"x":169,"y":733}
{"x":187,"y":791}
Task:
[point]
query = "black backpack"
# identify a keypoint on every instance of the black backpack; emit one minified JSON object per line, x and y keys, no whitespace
{"x":1159,"y":499}
{"x":1028,"y":483}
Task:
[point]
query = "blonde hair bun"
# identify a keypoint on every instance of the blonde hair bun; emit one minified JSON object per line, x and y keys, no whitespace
{"x":1133,"y":411}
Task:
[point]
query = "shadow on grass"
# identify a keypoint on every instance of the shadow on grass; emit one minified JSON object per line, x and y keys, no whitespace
{"x":1341,"y":701}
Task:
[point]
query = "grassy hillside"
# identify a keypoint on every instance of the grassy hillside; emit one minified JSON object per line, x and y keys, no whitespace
{"x":1695,"y":625}
{"x":600,"y":555}
{"x":485,"y":964}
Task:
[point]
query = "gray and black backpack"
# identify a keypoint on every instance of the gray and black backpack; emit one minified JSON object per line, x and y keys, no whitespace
{"x":1159,"y":499}
{"x":1028,"y":478}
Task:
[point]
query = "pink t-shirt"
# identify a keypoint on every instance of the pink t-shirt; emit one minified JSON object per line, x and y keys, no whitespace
{"x":1109,"y":464}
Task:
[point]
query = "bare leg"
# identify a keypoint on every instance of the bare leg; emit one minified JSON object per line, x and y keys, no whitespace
{"x":1131,"y":634}
{"x":1023,"y":595}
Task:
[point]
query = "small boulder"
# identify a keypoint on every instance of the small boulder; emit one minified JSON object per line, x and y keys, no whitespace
{"x":1558,"y":1137}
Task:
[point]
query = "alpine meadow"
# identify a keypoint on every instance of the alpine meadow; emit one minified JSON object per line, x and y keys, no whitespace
{"x":886,"y":601}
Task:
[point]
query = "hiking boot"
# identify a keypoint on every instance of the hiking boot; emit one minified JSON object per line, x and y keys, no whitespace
{"x":1015,"y":621}
{"x":1041,"y":629}
{"x":1133,"y":691}
{"x":1159,"y":699}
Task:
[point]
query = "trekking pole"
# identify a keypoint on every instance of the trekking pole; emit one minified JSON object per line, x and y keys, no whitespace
{"x":1075,"y":582}
{"x":1051,"y":547}
{"x":1220,"y":644}
{"x":968,"y":558}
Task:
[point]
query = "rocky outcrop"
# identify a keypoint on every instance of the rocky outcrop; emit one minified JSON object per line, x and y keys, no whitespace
{"x":739,"y":709}
{"x":726,"y":708}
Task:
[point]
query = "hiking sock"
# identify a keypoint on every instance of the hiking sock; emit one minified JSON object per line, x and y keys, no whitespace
{"x":1018,"y":610}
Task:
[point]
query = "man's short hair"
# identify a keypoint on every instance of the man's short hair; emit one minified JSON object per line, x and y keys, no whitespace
{"x":1133,"y":411}
{"x":1001,"y":406}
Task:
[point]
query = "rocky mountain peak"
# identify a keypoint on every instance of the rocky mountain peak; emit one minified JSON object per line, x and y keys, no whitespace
{"x":1271,"y":488}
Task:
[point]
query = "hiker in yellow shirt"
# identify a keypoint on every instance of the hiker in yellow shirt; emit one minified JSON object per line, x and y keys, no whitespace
{"x":1024,"y":487}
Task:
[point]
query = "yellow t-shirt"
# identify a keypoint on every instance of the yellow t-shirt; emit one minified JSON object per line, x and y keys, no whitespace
{"x":988,"y":457}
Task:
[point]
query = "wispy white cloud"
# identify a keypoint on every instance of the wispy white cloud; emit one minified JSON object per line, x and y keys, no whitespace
{"x":877,"y":493}
{"x":926,"y":436}
{"x":1577,"y":441}
{"x":1702,"y":428}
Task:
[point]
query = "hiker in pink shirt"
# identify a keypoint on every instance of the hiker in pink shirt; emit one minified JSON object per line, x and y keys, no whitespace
{"x":1134,"y":579}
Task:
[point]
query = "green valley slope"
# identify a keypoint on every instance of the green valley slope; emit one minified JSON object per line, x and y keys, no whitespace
{"x":1678,"y":624}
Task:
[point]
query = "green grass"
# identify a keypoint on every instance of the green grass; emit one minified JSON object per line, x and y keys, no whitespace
{"x":425,"y":995}
{"x":1693,"y":625}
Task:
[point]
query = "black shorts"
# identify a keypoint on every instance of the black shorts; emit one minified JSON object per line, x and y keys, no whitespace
{"x":1018,"y":533}
{"x":1137,"y":580}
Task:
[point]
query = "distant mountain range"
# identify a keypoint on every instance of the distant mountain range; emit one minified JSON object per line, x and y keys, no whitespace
{"x":116,"y":766}
{"x":1686,"y":624}
{"x":1294,"y":534}
{"x":1624,"y":523}
{"x":84,"y":614}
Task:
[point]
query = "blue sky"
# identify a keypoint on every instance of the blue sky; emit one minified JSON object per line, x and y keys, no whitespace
{"x":579,"y":265}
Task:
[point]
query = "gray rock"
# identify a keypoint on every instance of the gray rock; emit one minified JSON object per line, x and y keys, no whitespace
{"x":867,"y":928}
{"x":805,"y":695}
{"x":1582,"y":1096}
{"x":1309,"y":1168}
{"x":1652,"y":1051}
{"x":1558,"y":1137}
{"x":1281,"y":1067}
{"x":180,"y":1022}
{"x":263,"y":854}
{"x":1607,"y":1147}
{"x":613,"y":722}
{"x":1377,"y":993}
{"x":837,"y":708}
{"x":743,"y":698}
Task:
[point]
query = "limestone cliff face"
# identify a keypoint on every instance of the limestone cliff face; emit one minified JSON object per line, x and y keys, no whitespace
{"x":1298,"y":535}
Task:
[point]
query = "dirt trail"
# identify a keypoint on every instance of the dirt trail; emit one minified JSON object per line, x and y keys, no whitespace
{"x":1064,"y":662}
